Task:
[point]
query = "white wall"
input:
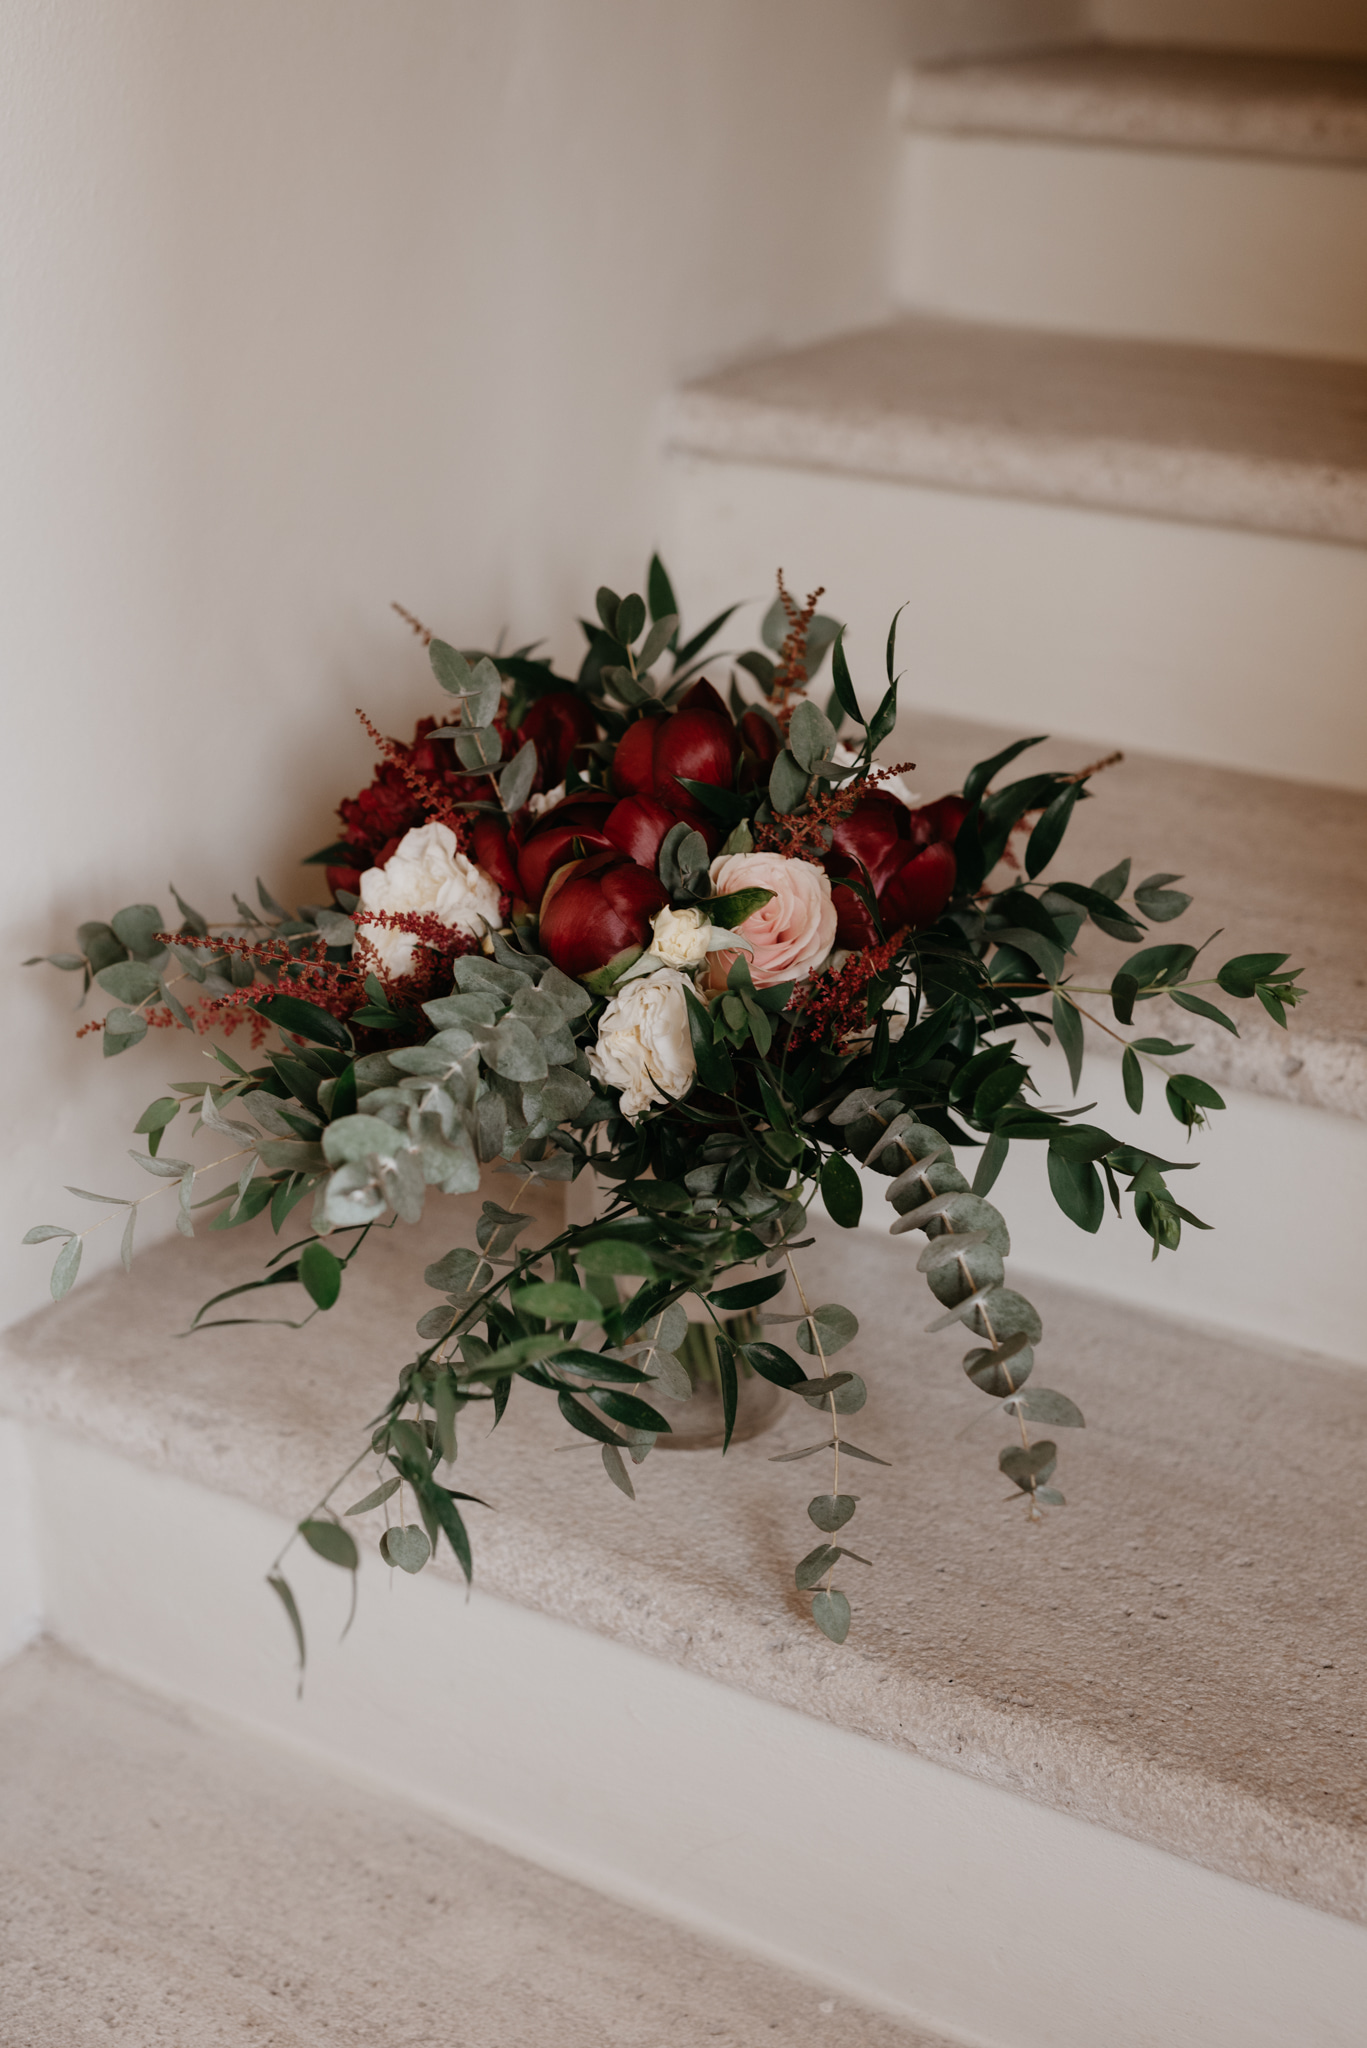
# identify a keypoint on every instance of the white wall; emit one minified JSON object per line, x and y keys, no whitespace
{"x":311,"y":304}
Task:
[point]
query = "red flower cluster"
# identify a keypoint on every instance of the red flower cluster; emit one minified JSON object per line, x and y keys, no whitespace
{"x":903,"y":858}
{"x":410,"y":783}
{"x":588,"y":866}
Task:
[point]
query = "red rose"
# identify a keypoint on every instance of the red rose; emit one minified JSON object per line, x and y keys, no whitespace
{"x":558,"y":724}
{"x":595,"y":917}
{"x":905,"y":858}
{"x":697,"y":742}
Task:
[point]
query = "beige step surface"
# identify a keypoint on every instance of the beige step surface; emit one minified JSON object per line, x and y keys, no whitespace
{"x":1224,"y":437}
{"x":166,"y":1882}
{"x":1227,"y":102}
{"x":1178,"y":1656}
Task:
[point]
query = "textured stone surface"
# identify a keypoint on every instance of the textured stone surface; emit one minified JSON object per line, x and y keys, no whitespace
{"x":1231,"y":102}
{"x":1223,"y":437}
{"x":1270,"y":865}
{"x":1178,"y":1655}
{"x":167,"y":1883}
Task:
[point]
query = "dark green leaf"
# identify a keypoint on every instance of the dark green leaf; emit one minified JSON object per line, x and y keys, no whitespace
{"x":631,"y":616}
{"x":1161,"y":966}
{"x":1159,"y":902}
{"x":991,"y":1163}
{"x":1132,"y":1075}
{"x":630,"y":1410}
{"x":842,"y":1191}
{"x":1077,"y":1189}
{"x":1198,"y":1005}
{"x":331,"y":1541}
{"x":1068,"y":1026}
{"x":713,"y":1061}
{"x":1113,"y":882}
{"x":320,"y":1271}
{"x":771,"y":1362}
{"x":1043,"y":843}
{"x":749,"y":1293}
{"x":306,"y":1020}
{"x":584,"y":1420}
{"x":280,"y":1587}
{"x":1240,"y":977}
{"x":1124,"y":994}
{"x":978,"y":778}
{"x":844,"y":685}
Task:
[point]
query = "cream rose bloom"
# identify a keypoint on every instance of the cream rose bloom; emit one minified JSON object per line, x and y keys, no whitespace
{"x":426,"y":874}
{"x":790,"y":934}
{"x":681,"y":937}
{"x":644,"y":1047}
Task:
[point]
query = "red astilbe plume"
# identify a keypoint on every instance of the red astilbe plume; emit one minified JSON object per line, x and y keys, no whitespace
{"x":438,"y":945}
{"x":837,"y":1002}
{"x":790,"y":677}
{"x":335,"y":986}
{"x":428,"y":796}
{"x":801,"y":835}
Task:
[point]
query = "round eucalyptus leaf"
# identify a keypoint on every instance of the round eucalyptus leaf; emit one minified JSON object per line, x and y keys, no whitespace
{"x":952,"y":1280}
{"x":831,"y":1511}
{"x":831,"y":1613}
{"x":407,"y":1547}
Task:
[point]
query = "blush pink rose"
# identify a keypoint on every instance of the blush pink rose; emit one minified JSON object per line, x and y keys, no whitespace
{"x":790,"y":934}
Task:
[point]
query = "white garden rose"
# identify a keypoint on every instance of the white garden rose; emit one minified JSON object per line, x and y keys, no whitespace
{"x":426,"y":874}
{"x":644,"y":1047}
{"x":681,"y":937}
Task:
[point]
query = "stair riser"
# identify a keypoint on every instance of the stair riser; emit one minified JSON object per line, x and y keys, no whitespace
{"x":1225,"y":250}
{"x":883,"y":1875}
{"x":1240,"y":649}
{"x":1265,"y":1169}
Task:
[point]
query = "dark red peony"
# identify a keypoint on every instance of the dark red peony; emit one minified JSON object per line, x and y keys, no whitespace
{"x":697,"y":742}
{"x":559,"y":724}
{"x":595,"y":916}
{"x":571,"y":828}
{"x":904,"y":858}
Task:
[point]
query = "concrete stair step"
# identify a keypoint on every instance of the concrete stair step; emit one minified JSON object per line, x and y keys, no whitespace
{"x":1184,"y":194}
{"x":1098,"y":1781}
{"x":962,"y":466}
{"x":1221,"y":102}
{"x":167,"y":1881}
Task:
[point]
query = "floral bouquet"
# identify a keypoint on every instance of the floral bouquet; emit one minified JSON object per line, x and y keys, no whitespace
{"x":708,"y":952}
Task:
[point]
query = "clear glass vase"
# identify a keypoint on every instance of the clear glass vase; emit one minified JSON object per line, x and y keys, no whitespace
{"x":699,"y":1424}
